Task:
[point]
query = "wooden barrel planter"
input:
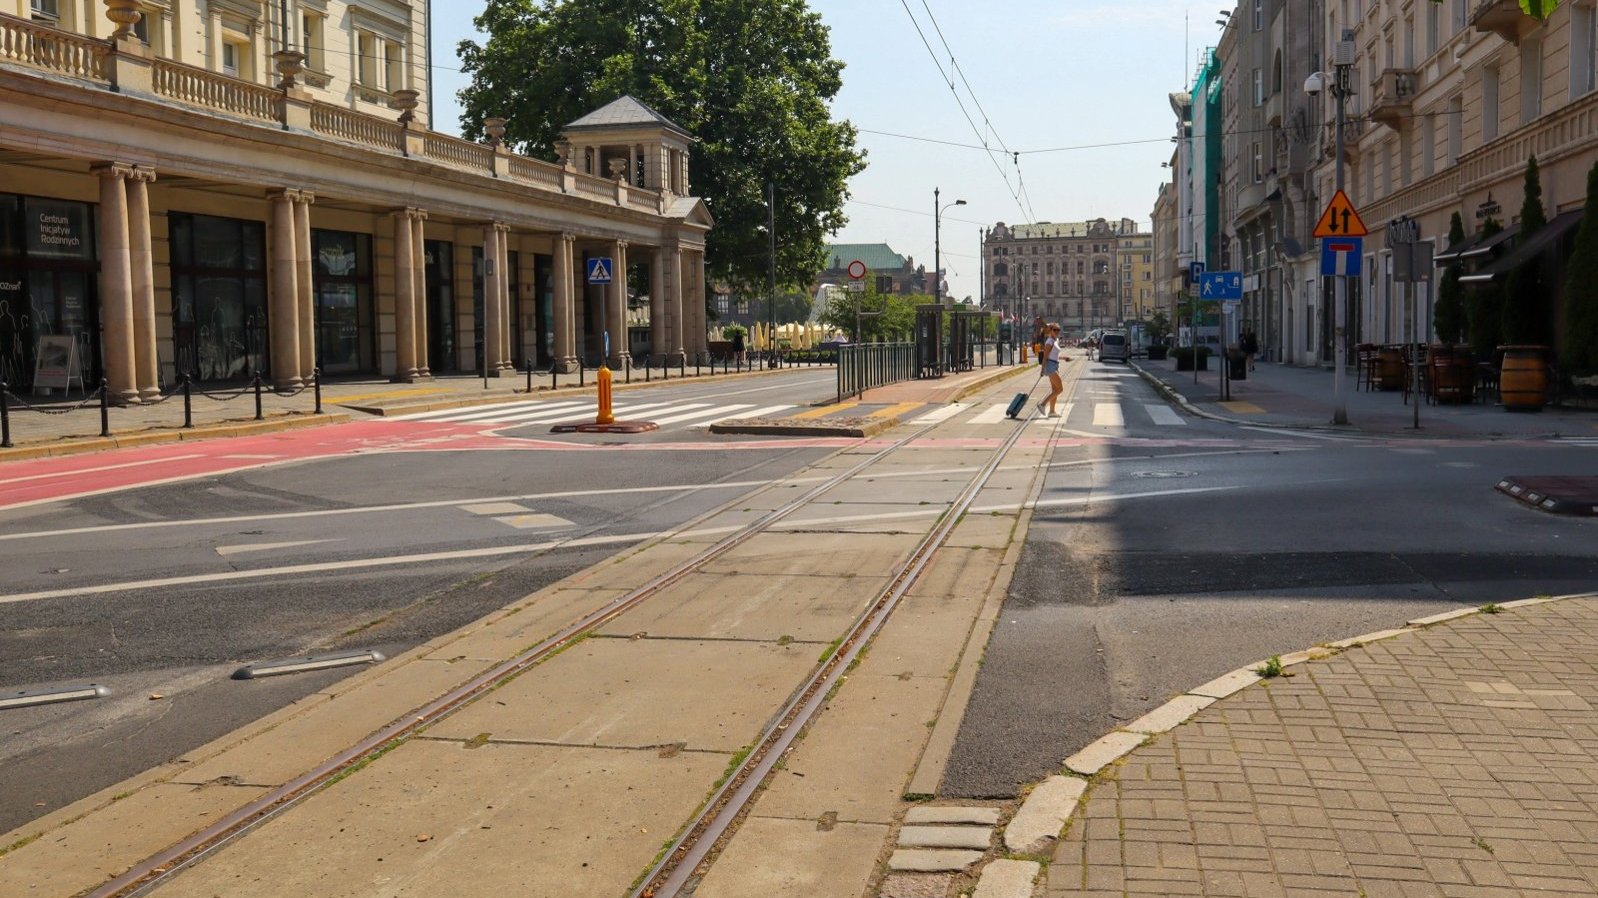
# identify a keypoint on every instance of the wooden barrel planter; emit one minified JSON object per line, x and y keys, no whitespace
{"x":1523,"y":380}
{"x":1389,"y":368}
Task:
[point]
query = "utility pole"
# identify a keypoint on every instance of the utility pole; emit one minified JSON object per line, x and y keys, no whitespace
{"x":771,"y":296}
{"x":1343,"y":59}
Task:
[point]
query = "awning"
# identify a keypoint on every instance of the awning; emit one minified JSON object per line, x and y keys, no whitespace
{"x":1545,"y":239}
{"x":1474,"y":247}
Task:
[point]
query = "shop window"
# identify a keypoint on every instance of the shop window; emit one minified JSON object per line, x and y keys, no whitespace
{"x":345,"y":335}
{"x":439,"y":259}
{"x":219,"y":315}
{"x":47,"y":282}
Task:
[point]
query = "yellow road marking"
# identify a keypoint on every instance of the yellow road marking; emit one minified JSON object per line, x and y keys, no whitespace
{"x":825,"y":410}
{"x":894,"y":411}
{"x":1243,"y":408}
{"x":362,"y":397}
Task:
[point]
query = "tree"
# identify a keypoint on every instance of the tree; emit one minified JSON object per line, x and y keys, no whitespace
{"x":1525,"y":301}
{"x":1450,"y":312}
{"x":1159,"y":326}
{"x":895,"y":318}
{"x":1581,"y":288}
{"x":750,"y":79}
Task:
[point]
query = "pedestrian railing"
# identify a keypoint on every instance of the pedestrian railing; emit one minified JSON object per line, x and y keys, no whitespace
{"x":864,"y":366}
{"x":185,"y":390}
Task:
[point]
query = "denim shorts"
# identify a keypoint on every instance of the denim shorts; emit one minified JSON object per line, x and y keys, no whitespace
{"x":1051,"y":366}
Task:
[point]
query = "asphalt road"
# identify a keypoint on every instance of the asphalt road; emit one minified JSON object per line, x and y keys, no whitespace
{"x":1234,"y":545}
{"x":161,"y":592}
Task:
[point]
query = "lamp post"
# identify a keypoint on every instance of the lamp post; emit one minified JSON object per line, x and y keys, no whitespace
{"x":937,"y":248}
{"x":1343,"y":62}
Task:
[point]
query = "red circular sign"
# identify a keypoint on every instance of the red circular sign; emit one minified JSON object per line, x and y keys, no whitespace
{"x":857,"y":269}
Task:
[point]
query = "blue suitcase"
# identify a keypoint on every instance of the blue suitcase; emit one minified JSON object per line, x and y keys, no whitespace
{"x":1020,"y":400}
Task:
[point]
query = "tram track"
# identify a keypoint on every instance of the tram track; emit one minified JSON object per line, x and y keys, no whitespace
{"x":680,"y":863}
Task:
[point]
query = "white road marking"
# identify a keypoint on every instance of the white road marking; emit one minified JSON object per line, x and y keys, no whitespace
{"x":723,"y":410}
{"x":1163,"y":415}
{"x":991,"y":415}
{"x":496,"y":508}
{"x":76,"y":471}
{"x":469,"y":412}
{"x":321,"y":567}
{"x":529,"y":418}
{"x":938,"y":416}
{"x":226,"y":551}
{"x":535,"y":521}
{"x":1108,"y":414}
{"x":752,"y":413}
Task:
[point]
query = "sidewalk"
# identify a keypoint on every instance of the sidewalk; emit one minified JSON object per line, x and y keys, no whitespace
{"x":1454,"y":758}
{"x":1282,"y":395}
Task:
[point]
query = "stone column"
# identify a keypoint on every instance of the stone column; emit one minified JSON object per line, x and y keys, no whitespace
{"x":283,"y":314}
{"x":116,"y":285}
{"x":659,"y":336}
{"x":493,"y":316}
{"x":306,"y":303}
{"x":419,"y":289}
{"x":675,"y":309}
{"x":146,"y":359}
{"x":616,"y":313}
{"x":565,"y":318}
{"x":404,"y":297}
{"x":507,"y":315}
{"x":693,"y":307}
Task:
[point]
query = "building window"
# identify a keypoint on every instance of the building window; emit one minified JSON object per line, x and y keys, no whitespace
{"x":1460,"y":17}
{"x":1531,"y":81}
{"x":393,"y":69}
{"x":1456,"y":129}
{"x":230,"y":58}
{"x":1259,"y":87}
{"x":1489,"y":104}
{"x":1434,"y":28}
{"x":1259,"y":14}
{"x":1428,"y":146}
{"x":344,"y":310}
{"x":315,"y":41}
{"x":1259,"y":162}
{"x":46,"y":10}
{"x":1583,"y":49}
{"x":366,"y":61}
{"x":219,"y":318}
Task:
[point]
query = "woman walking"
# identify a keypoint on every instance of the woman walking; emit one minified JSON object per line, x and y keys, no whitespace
{"x":1053,"y":355}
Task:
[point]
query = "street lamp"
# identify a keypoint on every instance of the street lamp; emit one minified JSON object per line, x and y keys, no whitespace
{"x":937,"y":249}
{"x":1338,"y":80}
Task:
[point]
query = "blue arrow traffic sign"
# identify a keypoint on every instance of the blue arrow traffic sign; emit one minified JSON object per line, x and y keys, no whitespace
{"x":599,"y":270}
{"x":1221,"y":285}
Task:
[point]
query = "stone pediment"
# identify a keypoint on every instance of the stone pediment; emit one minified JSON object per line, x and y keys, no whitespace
{"x":692,"y":210}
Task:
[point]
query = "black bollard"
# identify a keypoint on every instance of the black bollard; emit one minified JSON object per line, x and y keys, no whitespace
{"x":258,"y":415}
{"x":554,"y":375}
{"x":316,"y":381}
{"x":581,"y":377}
{"x":105,"y":408}
{"x":627,"y":369}
{"x":188,"y":402}
{"x":646,"y":369}
{"x":529,"y":373}
{"x":5,"y":415}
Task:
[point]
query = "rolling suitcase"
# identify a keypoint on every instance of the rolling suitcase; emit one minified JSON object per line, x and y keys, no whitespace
{"x":1021,"y":399}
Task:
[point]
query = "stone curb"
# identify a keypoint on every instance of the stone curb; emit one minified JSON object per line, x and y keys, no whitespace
{"x":156,"y":437}
{"x":1525,"y":495}
{"x":1117,"y":744}
{"x":781,"y":429}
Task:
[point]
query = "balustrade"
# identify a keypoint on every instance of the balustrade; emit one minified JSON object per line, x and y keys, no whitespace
{"x":51,"y":49}
{"x":345,"y":124}
{"x":199,"y":87}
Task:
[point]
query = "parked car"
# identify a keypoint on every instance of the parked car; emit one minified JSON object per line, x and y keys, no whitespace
{"x":1114,"y":347}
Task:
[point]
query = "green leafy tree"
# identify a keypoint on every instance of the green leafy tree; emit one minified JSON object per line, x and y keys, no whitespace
{"x":1581,"y":288}
{"x":1449,"y":317}
{"x":1485,"y":308}
{"x":1539,"y":9}
{"x":894,"y":319}
{"x":1159,"y":326}
{"x":1525,"y":299}
{"x":750,"y":79}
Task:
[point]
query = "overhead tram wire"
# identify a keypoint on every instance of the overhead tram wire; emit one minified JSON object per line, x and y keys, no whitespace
{"x":963,"y":111}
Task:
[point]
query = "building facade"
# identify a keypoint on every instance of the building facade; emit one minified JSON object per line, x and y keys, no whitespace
{"x":1168,"y":272}
{"x":181,"y":197}
{"x":1135,"y":254}
{"x":1071,"y":273}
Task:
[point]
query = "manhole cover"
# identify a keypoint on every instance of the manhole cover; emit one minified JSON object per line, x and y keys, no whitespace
{"x":1165,"y":474}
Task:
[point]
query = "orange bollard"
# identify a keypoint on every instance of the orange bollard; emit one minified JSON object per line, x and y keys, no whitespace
{"x":605,"y":416}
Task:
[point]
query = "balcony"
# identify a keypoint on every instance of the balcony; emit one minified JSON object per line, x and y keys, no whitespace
{"x":1391,"y":95}
{"x":1504,"y":18}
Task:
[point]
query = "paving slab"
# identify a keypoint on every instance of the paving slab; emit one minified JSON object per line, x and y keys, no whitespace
{"x":932,"y":860}
{"x":969,"y":837}
{"x":916,"y":885}
{"x":434,"y":818}
{"x":88,"y":851}
{"x":1044,"y":813}
{"x":795,"y":859}
{"x":925,"y":815}
{"x":1008,"y":879}
{"x":855,"y":760}
{"x":751,"y":606}
{"x":814,"y":553}
{"x":905,"y":517}
{"x":708,"y":695}
{"x":535,"y":619}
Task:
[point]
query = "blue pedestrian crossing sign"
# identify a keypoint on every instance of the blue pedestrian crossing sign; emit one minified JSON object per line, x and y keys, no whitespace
{"x":599,"y":270}
{"x":1221,"y":285}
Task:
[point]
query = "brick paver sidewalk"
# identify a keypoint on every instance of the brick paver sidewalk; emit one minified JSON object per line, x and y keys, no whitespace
{"x":1455,"y":761}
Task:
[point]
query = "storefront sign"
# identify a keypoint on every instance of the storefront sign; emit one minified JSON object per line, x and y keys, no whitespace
{"x":57,"y":229}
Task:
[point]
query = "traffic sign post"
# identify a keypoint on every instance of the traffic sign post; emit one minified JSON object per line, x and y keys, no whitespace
{"x":1340,"y":222}
{"x":1227,"y":287}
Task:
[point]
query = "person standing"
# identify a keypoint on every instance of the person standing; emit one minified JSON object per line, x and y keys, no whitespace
{"x":1250,"y":345}
{"x":738,"y":346}
{"x":1040,"y":335}
{"x":1053,"y":355}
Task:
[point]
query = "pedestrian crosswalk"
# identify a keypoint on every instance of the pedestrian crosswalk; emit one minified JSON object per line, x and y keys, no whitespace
{"x":668,"y":415}
{"x":1091,"y":414}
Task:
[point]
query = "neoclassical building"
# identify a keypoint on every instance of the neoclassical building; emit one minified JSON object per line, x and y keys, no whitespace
{"x":1083,"y":274}
{"x":181,"y":195}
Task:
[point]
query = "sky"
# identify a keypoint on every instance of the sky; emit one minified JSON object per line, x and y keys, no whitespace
{"x":1052,"y":79}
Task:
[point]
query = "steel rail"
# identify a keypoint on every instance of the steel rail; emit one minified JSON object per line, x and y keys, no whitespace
{"x":155,"y":869}
{"x":678,"y":866}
